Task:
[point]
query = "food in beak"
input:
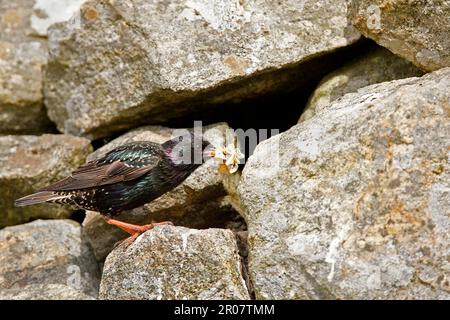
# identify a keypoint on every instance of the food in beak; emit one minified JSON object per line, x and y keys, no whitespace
{"x":229,"y":157}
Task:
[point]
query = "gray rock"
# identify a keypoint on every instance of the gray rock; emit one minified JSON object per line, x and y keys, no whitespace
{"x":355,"y":202}
{"x":46,"y":255}
{"x":120,"y":68}
{"x":47,"y":12}
{"x":23,"y":55}
{"x":416,"y":30}
{"x":200,"y":201}
{"x":44,"y":292}
{"x":21,"y":60}
{"x":175,"y":263}
{"x":28,"y":163}
{"x":377,"y":66}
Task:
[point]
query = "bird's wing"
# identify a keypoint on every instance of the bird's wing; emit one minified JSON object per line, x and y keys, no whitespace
{"x":124,"y":163}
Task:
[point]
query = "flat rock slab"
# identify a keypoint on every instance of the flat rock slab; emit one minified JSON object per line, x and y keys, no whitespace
{"x":415,"y":30}
{"x":46,"y":255}
{"x":28,"y":163}
{"x":175,"y":263}
{"x":138,"y":61}
{"x":355,"y":202}
{"x":199,"y":202}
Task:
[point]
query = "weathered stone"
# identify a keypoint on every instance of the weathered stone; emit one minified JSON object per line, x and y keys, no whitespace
{"x":357,"y":204}
{"x":23,"y":54}
{"x":199,"y":202}
{"x":416,"y":30}
{"x":47,"y":12}
{"x":28,"y":163}
{"x":46,"y":254}
{"x":120,"y":68}
{"x":21,"y":60}
{"x":175,"y":263}
{"x":44,"y":292}
{"x":377,"y":66}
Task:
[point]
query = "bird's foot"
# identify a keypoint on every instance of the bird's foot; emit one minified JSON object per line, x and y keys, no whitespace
{"x":134,"y":230}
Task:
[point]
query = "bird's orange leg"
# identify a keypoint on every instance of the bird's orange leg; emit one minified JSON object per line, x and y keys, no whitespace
{"x":133,"y":229}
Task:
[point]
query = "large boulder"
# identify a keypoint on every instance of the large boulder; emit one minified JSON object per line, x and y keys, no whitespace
{"x":23,"y":55}
{"x":416,"y":30}
{"x":377,"y":66}
{"x":175,"y":263}
{"x":139,"y":61}
{"x":47,"y":259}
{"x":355,"y":202}
{"x":201,"y":201}
{"x":28,"y":163}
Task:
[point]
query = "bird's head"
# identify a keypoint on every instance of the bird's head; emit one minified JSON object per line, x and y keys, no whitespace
{"x":187,"y":150}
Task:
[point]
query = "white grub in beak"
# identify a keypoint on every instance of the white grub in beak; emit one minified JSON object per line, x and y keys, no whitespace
{"x":229,"y":157}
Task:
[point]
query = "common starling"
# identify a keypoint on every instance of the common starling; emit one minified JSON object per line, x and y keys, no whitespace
{"x":127,"y":177}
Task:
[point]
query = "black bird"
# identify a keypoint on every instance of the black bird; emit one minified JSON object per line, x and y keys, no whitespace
{"x":125,"y":178}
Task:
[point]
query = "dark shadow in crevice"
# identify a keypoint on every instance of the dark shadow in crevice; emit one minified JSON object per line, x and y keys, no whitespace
{"x":279,"y":109}
{"x":242,"y":244}
{"x":78,"y":216}
{"x":276,"y":110}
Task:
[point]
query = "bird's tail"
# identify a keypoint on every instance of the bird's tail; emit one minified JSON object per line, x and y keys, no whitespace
{"x":38,"y":197}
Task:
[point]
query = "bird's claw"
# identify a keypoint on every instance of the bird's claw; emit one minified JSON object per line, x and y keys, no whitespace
{"x":136,"y":231}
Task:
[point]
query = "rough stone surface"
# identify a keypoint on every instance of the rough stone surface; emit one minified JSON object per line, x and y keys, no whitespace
{"x":28,"y":163}
{"x":120,"y":67}
{"x":46,"y":255}
{"x":416,"y":30}
{"x":358,"y":205}
{"x":44,"y":292}
{"x":175,"y":263}
{"x":21,"y":60}
{"x":23,"y":55}
{"x":377,"y":66}
{"x":199,"y":202}
{"x":47,"y":12}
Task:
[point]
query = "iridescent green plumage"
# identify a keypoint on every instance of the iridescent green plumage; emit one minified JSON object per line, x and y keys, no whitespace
{"x":125,"y":178}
